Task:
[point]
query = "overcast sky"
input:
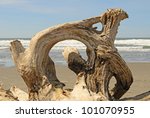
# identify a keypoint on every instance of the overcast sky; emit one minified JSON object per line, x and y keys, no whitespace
{"x":24,"y":18}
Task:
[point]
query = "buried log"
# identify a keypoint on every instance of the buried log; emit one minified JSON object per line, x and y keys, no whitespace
{"x":38,"y":69}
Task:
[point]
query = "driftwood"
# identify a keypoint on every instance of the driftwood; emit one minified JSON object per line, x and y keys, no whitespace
{"x":15,"y":94}
{"x":104,"y":62}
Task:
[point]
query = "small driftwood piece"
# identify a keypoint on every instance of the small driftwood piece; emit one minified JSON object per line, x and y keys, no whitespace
{"x":104,"y":62}
{"x":13,"y":94}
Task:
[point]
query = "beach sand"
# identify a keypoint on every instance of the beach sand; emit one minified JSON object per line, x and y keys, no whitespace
{"x":141,"y":73}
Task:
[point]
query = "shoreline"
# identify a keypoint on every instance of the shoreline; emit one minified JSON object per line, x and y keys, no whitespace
{"x":141,"y":74}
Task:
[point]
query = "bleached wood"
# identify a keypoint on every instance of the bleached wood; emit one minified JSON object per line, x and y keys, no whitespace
{"x":38,"y":69}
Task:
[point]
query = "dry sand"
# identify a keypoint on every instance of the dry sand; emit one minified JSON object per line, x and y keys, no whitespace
{"x":140,"y":71}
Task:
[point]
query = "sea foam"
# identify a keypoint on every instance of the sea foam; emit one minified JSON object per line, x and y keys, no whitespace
{"x":121,"y":44}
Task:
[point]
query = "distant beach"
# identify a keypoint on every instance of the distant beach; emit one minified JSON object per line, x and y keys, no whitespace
{"x":135,"y":51}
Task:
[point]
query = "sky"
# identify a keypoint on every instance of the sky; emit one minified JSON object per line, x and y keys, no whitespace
{"x":24,"y":18}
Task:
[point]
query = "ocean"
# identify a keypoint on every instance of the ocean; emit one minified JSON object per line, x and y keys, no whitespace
{"x":131,"y":49}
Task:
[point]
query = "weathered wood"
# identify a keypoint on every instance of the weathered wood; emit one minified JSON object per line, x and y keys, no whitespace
{"x":108,"y":62}
{"x":75,"y":62}
{"x":38,"y":70}
{"x":15,"y":94}
{"x":6,"y":95}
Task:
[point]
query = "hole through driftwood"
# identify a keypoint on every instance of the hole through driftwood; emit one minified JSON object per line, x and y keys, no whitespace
{"x":64,"y":74}
{"x":98,"y":27}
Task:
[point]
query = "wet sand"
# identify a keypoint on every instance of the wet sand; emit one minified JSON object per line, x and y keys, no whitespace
{"x":140,"y":71}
